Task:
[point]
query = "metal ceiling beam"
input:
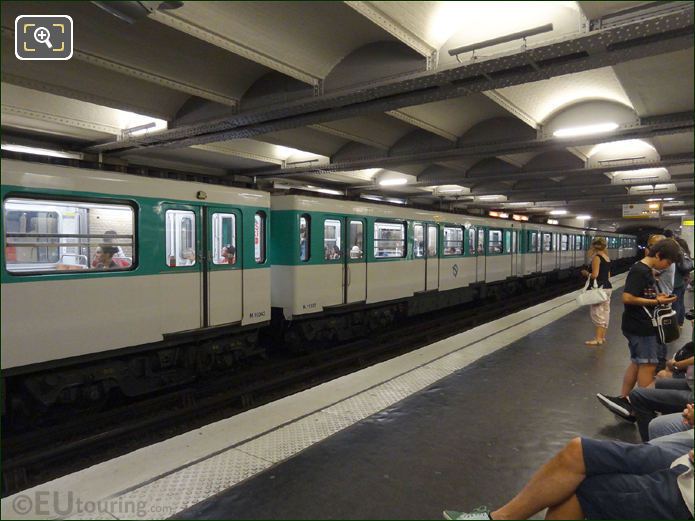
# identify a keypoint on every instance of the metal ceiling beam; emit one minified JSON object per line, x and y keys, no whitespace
{"x":665,"y":161}
{"x":151,"y":77}
{"x":648,"y":127}
{"x":600,"y":48}
{"x":395,"y":29}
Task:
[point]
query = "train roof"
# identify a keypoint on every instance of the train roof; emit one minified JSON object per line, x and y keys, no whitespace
{"x":42,"y":176}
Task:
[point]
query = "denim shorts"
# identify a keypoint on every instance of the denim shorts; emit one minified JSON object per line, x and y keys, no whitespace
{"x":630,"y":481}
{"x":643,"y":349}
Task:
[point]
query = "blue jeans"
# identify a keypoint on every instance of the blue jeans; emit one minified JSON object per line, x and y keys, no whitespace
{"x":643,"y":349}
{"x":679,"y":305}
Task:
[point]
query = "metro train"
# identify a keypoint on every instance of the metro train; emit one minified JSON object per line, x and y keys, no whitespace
{"x":198,"y":271}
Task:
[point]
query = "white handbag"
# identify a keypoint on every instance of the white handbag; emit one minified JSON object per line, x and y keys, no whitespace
{"x":589,"y":297}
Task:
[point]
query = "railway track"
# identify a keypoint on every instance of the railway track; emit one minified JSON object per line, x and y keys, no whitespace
{"x":48,"y":452}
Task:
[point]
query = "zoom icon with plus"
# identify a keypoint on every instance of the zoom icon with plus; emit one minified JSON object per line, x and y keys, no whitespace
{"x":39,"y":37}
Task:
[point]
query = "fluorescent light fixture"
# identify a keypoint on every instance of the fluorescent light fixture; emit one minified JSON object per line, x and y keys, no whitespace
{"x":553,"y":221}
{"x":519,"y":204}
{"x":653,"y":199}
{"x":653,"y":206}
{"x":40,"y":151}
{"x":493,"y":214}
{"x":496,"y":197}
{"x":643,"y":174}
{"x":504,"y":215}
{"x":381,"y":199}
{"x":517,"y":217}
{"x":583,"y":217}
{"x":586,"y":130}
{"x":558,"y":212}
{"x":675,"y":214}
{"x":451,"y":189}
{"x":322,"y":190}
{"x":653,"y":189}
{"x":395,"y":181}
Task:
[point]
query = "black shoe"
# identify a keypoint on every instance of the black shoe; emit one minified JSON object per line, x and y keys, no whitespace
{"x":617,"y":405}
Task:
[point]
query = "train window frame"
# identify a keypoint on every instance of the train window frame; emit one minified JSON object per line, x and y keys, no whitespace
{"x":432,"y":241}
{"x":564,"y":242}
{"x":357,"y":240}
{"x":490,"y":242}
{"x":471,"y":241}
{"x":549,"y":244}
{"x":260,"y":225}
{"x":74,"y":269}
{"x":218,"y":242}
{"x":534,"y":241}
{"x":404,"y":241}
{"x":446,"y":242}
{"x":305,"y":247}
{"x":338,"y":239}
{"x":419,"y":247}
{"x":172,"y":241}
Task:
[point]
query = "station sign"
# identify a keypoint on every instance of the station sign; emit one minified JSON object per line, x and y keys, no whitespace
{"x":642,"y":211}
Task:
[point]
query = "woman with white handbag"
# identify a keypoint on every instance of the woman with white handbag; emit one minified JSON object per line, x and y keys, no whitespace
{"x":599,"y":279}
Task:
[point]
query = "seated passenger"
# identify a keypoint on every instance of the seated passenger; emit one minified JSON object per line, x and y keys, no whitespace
{"x":228,"y":255}
{"x":188,"y":256}
{"x":106,"y":261}
{"x":336,"y":252}
{"x":602,"y":479}
{"x":355,"y":252}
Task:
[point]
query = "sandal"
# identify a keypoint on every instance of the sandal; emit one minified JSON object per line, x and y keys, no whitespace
{"x":594,"y":342}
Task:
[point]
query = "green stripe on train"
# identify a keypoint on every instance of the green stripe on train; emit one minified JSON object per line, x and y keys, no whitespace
{"x":150,"y":258}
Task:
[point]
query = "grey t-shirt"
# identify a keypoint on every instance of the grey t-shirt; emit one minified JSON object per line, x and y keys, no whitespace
{"x":665,"y":279}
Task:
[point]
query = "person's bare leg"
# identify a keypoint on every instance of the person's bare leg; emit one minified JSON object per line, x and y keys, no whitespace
{"x":601,"y":333}
{"x":570,"y":509}
{"x":629,"y":379}
{"x":645,"y":374}
{"x":552,"y":485}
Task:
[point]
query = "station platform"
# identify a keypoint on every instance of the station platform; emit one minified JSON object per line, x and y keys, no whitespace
{"x":460,"y":423}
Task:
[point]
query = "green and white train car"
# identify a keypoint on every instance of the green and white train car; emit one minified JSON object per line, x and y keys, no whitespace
{"x":189,"y":262}
{"x":332,"y":254}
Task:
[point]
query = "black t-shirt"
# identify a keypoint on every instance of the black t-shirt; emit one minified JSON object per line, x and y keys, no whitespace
{"x":640,"y":283}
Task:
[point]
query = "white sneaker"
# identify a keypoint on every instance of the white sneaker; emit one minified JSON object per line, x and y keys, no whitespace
{"x":478,"y":513}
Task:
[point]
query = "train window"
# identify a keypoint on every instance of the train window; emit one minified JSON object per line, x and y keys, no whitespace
{"x":564,"y":242}
{"x":259,"y":237}
{"x":432,"y":240}
{"x":507,"y":241}
{"x":223,"y":238}
{"x":356,"y":240}
{"x":547,"y":242}
{"x":515,"y":242}
{"x":481,"y":241}
{"x":45,"y":236}
{"x":389,"y":239}
{"x":180,"y":238}
{"x":453,"y":240}
{"x":494,"y":241}
{"x":418,"y":240}
{"x":578,"y":242}
{"x":533,"y":242}
{"x":332,"y":245}
{"x":304,"y":237}
{"x":471,"y":241}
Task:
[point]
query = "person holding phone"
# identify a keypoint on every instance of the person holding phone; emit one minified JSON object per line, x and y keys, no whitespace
{"x":640,"y":297}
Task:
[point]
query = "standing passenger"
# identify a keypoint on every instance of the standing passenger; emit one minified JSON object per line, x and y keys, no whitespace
{"x":600,"y":272}
{"x":640,"y":297}
{"x":682,"y":277}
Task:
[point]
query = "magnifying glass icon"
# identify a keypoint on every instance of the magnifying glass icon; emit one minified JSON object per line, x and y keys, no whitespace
{"x":43,"y":35}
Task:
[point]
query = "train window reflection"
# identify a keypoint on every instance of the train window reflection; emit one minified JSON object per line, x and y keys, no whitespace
{"x":453,"y":240}
{"x":564,"y":242}
{"x":304,"y":237}
{"x":471,"y":241}
{"x":356,"y":240}
{"x":418,"y":240}
{"x":547,"y":242}
{"x":224,"y":238}
{"x":332,"y":245}
{"x":494,"y":241}
{"x":43,"y":236}
{"x":180,"y":238}
{"x":259,"y":237}
{"x":432,"y":240}
{"x":389,"y":239}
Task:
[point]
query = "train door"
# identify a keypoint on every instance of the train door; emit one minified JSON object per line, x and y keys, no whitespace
{"x":418,"y":272}
{"x":355,"y":271}
{"x":480,"y":267}
{"x":512,"y":247}
{"x":432,"y":258}
{"x":221,"y":266}
{"x":182,"y":274}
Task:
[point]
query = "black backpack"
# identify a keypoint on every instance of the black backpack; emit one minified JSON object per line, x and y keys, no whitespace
{"x":665,"y":320}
